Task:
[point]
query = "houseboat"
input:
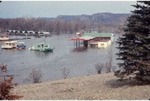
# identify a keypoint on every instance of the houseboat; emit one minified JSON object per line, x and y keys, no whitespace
{"x":13,"y":44}
{"x":4,"y":38}
{"x":9,"y":45}
{"x":42,"y":47}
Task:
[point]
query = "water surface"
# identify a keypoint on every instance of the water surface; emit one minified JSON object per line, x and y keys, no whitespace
{"x":21,"y":62}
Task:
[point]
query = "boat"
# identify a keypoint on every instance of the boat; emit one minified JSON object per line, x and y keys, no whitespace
{"x":21,"y":45}
{"x":43,"y":47}
{"x":4,"y":38}
{"x":9,"y":45}
{"x":13,"y":44}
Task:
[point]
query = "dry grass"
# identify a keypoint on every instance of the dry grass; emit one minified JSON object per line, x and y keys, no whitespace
{"x":96,"y":87}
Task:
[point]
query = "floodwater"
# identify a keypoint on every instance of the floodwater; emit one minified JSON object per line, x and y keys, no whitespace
{"x":21,"y":62}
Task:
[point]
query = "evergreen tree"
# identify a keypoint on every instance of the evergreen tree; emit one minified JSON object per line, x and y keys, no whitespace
{"x":134,"y":45}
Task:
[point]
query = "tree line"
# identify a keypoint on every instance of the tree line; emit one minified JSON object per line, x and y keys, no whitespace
{"x":57,"y":26}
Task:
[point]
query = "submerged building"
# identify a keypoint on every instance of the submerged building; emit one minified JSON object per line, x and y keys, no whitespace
{"x":28,"y":33}
{"x":93,"y":39}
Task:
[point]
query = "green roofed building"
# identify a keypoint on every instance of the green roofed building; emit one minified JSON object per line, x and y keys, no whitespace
{"x":100,"y":36}
{"x":96,"y":34}
{"x":95,"y":39}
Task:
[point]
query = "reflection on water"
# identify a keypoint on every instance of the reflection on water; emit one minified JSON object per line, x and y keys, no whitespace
{"x":80,"y":49}
{"x":43,"y":55}
{"x":21,"y":62}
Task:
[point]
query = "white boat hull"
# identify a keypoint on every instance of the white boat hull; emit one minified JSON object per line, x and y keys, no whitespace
{"x":7,"y":47}
{"x":4,"y":39}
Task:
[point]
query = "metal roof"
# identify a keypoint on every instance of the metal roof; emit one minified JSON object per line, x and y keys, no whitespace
{"x":96,"y":34}
{"x":89,"y":36}
{"x":83,"y":38}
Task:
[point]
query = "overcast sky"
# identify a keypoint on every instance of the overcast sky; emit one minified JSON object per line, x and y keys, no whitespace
{"x":14,"y":9}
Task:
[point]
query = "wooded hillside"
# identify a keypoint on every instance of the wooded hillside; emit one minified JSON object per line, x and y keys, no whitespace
{"x":63,"y":24}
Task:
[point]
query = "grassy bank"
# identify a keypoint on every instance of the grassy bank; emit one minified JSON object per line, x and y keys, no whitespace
{"x":95,"y":87}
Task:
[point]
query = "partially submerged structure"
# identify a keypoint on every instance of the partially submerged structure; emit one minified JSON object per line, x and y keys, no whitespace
{"x":93,"y":39}
{"x":4,"y":38}
{"x":28,"y":33}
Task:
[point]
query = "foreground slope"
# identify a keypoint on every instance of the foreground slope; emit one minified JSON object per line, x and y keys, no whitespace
{"x":103,"y":86}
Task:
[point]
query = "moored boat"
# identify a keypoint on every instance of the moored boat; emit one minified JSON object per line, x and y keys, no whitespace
{"x":13,"y":44}
{"x":9,"y":45}
{"x":21,"y":45}
{"x":4,"y":38}
{"x":41,"y":47}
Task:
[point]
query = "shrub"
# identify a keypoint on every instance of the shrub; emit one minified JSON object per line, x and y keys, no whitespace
{"x":108,"y":67}
{"x":35,"y":76}
{"x":99,"y":68}
{"x":65,"y":72}
{"x":6,"y":85}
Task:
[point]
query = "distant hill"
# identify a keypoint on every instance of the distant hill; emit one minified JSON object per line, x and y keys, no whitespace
{"x":101,"y":22}
{"x":103,"y":18}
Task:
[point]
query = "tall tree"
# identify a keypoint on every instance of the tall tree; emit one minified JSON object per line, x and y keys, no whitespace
{"x":134,"y":45}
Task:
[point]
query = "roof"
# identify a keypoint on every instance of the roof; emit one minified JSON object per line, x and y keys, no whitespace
{"x":86,"y":37}
{"x":83,"y":38}
{"x":10,"y":41}
{"x":89,"y":36}
{"x":96,"y":34}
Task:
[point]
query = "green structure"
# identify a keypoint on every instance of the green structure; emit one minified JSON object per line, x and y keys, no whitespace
{"x":41,"y":47}
{"x":96,"y":34}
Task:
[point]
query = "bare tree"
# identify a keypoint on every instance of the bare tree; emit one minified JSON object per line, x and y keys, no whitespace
{"x":35,"y":76}
{"x":65,"y":72}
{"x":99,"y":68}
{"x":108,"y":64}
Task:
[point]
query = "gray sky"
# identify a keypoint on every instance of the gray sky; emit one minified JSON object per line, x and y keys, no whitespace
{"x":14,"y":9}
